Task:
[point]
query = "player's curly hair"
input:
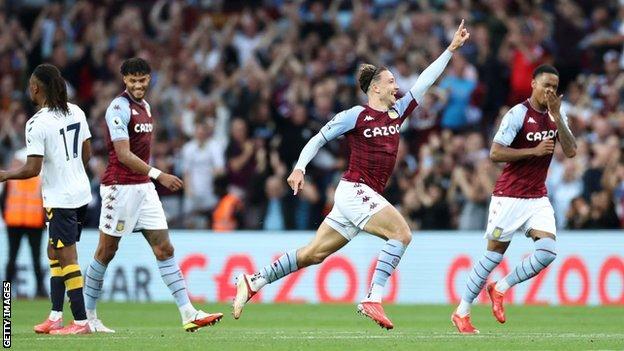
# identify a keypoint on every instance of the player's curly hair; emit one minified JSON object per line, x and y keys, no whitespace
{"x":368,"y":74}
{"x":54,"y":87}
{"x":135,"y":66}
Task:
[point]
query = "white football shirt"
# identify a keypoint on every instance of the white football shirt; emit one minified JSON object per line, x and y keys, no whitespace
{"x":58,"y":138}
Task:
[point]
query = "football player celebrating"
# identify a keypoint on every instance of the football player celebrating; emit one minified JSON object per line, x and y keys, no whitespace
{"x":372,"y":132}
{"x":525,"y":141}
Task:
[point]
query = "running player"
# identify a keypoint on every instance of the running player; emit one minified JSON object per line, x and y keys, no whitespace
{"x":372,"y":131}
{"x":57,"y":141}
{"x":129,"y":199}
{"x":526,"y":141}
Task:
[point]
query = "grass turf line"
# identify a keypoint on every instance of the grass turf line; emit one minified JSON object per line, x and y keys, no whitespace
{"x":328,"y":327}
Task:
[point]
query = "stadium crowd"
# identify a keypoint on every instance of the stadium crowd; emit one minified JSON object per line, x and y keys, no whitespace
{"x":238,"y":87}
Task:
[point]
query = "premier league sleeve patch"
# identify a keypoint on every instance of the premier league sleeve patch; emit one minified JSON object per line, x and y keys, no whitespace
{"x":497,"y":232}
{"x":120,"y":226}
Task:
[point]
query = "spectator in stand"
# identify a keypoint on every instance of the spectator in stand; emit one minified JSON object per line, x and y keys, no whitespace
{"x":434,"y":211}
{"x":240,"y":155}
{"x":568,"y":32}
{"x":470,"y":187}
{"x":527,"y":53}
{"x":459,"y":83}
{"x":565,"y":189}
{"x":602,"y":214}
{"x":493,"y":75}
{"x":294,"y":134}
{"x":317,"y":24}
{"x":227,"y":215}
{"x":274,"y":217}
{"x":592,"y":176}
{"x":604,"y":87}
{"x":601,"y":31}
{"x":202,"y":160}
{"x":599,"y":214}
{"x":22,"y":209}
{"x":578,"y":214}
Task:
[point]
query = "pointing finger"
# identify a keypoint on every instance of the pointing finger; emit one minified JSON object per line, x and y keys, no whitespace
{"x":295,"y":187}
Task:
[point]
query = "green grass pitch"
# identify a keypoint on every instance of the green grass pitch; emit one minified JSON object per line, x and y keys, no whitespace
{"x":154,"y":326}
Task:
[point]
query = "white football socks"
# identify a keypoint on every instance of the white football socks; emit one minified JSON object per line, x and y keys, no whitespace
{"x":257,"y":281}
{"x":375,"y":293}
{"x":187,"y":312}
{"x":502,"y":285}
{"x":91,"y":314}
{"x":55,"y":315}
{"x":464,"y":308}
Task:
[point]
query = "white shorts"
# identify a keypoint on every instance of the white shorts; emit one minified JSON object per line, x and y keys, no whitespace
{"x":130,"y":208}
{"x":354,"y":205}
{"x":510,"y":215}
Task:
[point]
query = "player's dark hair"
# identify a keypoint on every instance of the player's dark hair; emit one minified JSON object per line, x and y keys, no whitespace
{"x":545,"y":69}
{"x":54,"y":87}
{"x":368,"y":74}
{"x":135,"y":66}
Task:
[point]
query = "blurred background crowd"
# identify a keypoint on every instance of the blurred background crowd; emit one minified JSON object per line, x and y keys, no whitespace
{"x":238,"y":87}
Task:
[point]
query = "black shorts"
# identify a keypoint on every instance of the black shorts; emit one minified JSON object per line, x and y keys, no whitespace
{"x":64,"y":225}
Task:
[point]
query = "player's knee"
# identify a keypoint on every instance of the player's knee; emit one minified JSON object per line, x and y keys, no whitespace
{"x":163,"y":251}
{"x":405,"y":236}
{"x":67,"y":255}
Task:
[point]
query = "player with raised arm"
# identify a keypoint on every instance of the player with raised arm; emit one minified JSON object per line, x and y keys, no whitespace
{"x":526,"y":141}
{"x":129,"y":199}
{"x":372,"y":132}
{"x":58,"y":146}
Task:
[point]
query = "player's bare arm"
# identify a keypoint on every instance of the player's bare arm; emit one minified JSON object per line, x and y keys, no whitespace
{"x":567,"y":140}
{"x":132,"y":161}
{"x":86,"y":152}
{"x":501,"y":153}
{"x":32,"y":168}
